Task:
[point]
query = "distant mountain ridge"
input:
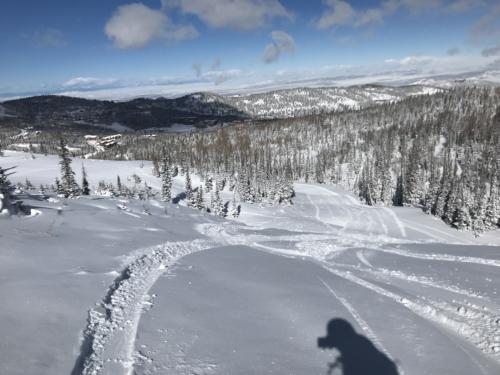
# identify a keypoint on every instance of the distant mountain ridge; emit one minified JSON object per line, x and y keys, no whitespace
{"x":201,"y":109}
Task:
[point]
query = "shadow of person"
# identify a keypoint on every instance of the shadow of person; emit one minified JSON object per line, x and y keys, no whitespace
{"x":358,"y":355}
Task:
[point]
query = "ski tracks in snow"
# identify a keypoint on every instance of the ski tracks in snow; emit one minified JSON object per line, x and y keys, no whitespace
{"x":474,"y":323}
{"x":109,"y":338}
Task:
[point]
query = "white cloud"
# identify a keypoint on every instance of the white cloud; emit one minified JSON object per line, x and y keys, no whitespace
{"x":377,"y":15}
{"x":341,"y":13}
{"x":49,"y":38}
{"x":447,"y":64}
{"x":135,"y":25}
{"x":88,"y":83}
{"x":415,"y":60}
{"x":236,"y":14}
{"x":338,"y":13}
{"x":282,"y":43}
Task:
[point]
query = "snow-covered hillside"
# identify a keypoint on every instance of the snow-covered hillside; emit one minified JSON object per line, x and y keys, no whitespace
{"x":311,"y":101}
{"x":107,"y":286}
{"x":201,"y":109}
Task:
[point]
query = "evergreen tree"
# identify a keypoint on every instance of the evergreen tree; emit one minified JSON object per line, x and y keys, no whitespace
{"x":85,"y":183}
{"x":200,"y":203}
{"x":190,"y":199}
{"x":166,"y":178}
{"x":217,"y":206}
{"x":492,"y":214}
{"x":397,"y":200}
{"x":235,"y":208}
{"x":119,"y":187}
{"x":69,"y":187}
{"x":208,"y":184}
{"x":7,"y":199}
{"x":58,"y":187}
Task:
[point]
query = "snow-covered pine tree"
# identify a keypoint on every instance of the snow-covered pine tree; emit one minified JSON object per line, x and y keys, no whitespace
{"x":58,"y":187}
{"x":200,"y":202}
{"x":217,"y":206}
{"x":85,"y":183}
{"x":8,"y":205}
{"x":156,"y":168}
{"x":235,"y":208}
{"x":208,"y":184}
{"x":190,"y":197}
{"x":479,"y":213}
{"x":244,"y":188}
{"x":461,"y":216}
{"x":166,"y":181}
{"x":69,"y":187}
{"x":175,"y":171}
{"x":492,"y":214}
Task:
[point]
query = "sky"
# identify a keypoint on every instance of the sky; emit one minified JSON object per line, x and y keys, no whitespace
{"x":167,"y":46}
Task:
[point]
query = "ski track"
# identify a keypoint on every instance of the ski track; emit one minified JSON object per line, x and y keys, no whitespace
{"x":361,"y":322}
{"x":442,"y":257}
{"x":398,"y":222}
{"x":109,"y":338}
{"x":473,"y":323}
{"x":423,"y":280}
{"x":457,"y":240}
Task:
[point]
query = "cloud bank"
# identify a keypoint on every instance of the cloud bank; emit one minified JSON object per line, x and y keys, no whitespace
{"x":135,"y":25}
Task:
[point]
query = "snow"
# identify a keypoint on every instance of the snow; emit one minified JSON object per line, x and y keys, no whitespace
{"x":96,"y":286}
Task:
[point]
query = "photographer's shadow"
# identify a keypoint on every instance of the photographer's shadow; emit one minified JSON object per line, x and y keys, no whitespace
{"x":358,"y":355}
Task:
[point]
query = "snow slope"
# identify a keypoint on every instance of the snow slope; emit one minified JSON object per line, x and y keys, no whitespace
{"x":426,"y":295}
{"x":101,"y":286}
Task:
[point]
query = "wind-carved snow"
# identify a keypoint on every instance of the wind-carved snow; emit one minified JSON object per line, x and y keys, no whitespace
{"x":109,"y":339}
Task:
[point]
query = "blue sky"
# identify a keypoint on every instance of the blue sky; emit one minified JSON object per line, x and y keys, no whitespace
{"x":72,"y":46}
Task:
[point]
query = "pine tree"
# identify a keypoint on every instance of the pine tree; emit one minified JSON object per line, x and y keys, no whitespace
{"x":200,"y":203}
{"x":166,"y":179}
{"x":244,"y":189}
{"x":85,"y":183}
{"x":69,"y":187}
{"x":397,"y":200}
{"x":235,"y":208}
{"x":217,"y":206}
{"x":7,"y":199}
{"x":492,"y":214}
{"x":58,"y":187}
{"x":119,"y":187}
{"x":189,"y":190}
{"x":208,"y":184}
